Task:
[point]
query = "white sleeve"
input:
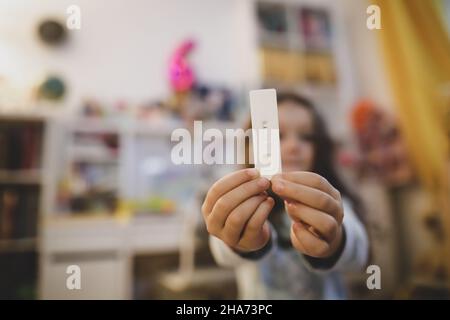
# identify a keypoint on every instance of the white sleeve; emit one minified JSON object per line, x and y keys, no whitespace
{"x":223,"y":254}
{"x":356,"y":250}
{"x":226,"y":257}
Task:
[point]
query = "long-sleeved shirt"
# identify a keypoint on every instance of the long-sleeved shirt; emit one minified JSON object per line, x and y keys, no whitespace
{"x":285,"y":273}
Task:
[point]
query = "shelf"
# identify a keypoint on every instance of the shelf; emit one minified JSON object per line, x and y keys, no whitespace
{"x":65,"y":219}
{"x":429,"y":283}
{"x":18,"y":245}
{"x":200,"y":277}
{"x":136,"y":235}
{"x":95,"y":126}
{"x":27,"y":177}
{"x":99,"y":159}
{"x":142,"y":127}
{"x":85,"y":217}
{"x":17,"y":117}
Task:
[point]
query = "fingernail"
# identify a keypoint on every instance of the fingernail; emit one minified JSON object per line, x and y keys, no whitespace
{"x":263,"y":182}
{"x":252,"y":173}
{"x":289,"y":204}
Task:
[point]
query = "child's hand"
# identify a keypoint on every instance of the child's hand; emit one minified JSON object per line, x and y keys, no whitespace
{"x":315,"y":207}
{"x":236,"y":210}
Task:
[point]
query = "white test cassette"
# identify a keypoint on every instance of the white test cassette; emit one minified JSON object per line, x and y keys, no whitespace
{"x":265,"y":132}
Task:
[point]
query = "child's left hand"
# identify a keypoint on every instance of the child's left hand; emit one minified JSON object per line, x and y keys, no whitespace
{"x":315,"y":207}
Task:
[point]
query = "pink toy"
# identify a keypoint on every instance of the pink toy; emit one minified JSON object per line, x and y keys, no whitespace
{"x":181,"y":75}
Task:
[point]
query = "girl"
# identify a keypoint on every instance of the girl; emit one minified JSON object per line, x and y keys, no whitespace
{"x":291,"y":237}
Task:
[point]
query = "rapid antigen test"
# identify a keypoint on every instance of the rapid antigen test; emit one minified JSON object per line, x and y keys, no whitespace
{"x":265,"y":132}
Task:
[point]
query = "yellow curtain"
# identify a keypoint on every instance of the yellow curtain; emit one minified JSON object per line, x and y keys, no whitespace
{"x":416,"y":49}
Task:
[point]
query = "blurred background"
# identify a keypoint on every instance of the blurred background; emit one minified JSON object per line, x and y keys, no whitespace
{"x":90,"y":92}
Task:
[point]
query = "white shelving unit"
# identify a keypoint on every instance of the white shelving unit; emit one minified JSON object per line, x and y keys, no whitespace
{"x":103,"y":245}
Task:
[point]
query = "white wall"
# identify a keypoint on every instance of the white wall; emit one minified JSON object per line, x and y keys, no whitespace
{"x":123,"y":47}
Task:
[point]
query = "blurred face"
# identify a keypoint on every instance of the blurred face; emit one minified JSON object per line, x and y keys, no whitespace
{"x":296,"y":135}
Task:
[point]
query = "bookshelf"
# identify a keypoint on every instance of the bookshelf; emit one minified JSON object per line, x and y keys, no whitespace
{"x":103,"y":241}
{"x":22,"y":144}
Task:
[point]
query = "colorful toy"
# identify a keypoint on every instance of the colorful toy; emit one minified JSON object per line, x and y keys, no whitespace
{"x":181,"y":75}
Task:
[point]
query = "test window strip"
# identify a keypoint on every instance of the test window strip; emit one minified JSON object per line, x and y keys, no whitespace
{"x":265,"y":132}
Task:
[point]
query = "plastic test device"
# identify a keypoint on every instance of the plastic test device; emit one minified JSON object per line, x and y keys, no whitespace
{"x":265,"y":132}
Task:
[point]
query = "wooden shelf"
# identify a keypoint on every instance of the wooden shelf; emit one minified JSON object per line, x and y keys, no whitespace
{"x":14,"y":118}
{"x":18,"y":245}
{"x":27,"y":177}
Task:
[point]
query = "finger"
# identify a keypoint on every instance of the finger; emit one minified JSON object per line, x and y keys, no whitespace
{"x":311,"y":197}
{"x":307,"y":243}
{"x":312,"y":180}
{"x":229,"y":201}
{"x":324,"y":224}
{"x":225,"y":184}
{"x":257,"y":223}
{"x":238,"y":218}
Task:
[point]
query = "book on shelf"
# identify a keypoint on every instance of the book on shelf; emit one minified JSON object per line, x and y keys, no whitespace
{"x":20,"y":146}
{"x":19,"y":207}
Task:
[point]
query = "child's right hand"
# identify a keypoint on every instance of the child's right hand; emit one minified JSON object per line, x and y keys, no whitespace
{"x":236,"y":208}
